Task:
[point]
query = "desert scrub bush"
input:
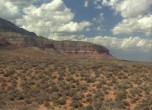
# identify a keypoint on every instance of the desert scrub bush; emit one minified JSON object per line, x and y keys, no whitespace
{"x":76,"y":104}
{"x":103,"y":82}
{"x":89,"y":99}
{"x":89,"y":107}
{"x":21,"y":96}
{"x":98,"y":106}
{"x":1,"y":71}
{"x":138,"y":107}
{"x":61,"y":101}
{"x":145,"y":104}
{"x":120,"y":95}
{"x":125,"y":102}
{"x":83,"y":74}
{"x":76,"y":97}
{"x":28,"y":100}
{"x":14,"y":93}
{"x":39,"y":99}
{"x":60,"y":78}
{"x":54,"y":96}
{"x":138,"y":81}
{"x":11,"y":98}
{"x":3,"y":102}
{"x":114,"y":105}
{"x":70,"y":92}
{"x":124,"y":85}
{"x":55,"y":88}
{"x":73,"y":86}
{"x":84,"y":86}
{"x":81,"y":95}
{"x":134,"y":99}
{"x":146,"y":87}
{"x":135,"y":91}
{"x":105,"y":87}
{"x":23,"y":106}
{"x":9,"y":73}
{"x":90,"y":80}
{"x":47,"y":104}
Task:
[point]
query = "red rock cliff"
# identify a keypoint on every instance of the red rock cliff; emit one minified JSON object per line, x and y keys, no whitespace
{"x":80,"y":48}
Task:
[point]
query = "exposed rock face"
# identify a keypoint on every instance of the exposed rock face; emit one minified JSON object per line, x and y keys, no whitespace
{"x":15,"y":35}
{"x":18,"y":39}
{"x":26,"y":41}
{"x":3,"y":42}
{"x":80,"y":48}
{"x":11,"y":34}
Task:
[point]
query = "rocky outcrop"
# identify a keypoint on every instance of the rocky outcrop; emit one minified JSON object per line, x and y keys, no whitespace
{"x":10,"y":33}
{"x":15,"y":35}
{"x":26,"y":41}
{"x":18,"y":39}
{"x":80,"y":48}
{"x":3,"y":42}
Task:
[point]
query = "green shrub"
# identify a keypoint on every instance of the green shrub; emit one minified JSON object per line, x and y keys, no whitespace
{"x":61,"y":101}
{"x":120,"y":95}
{"x":89,"y":107}
{"x":76,"y":104}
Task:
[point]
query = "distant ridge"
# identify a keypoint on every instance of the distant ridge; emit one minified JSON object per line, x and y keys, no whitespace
{"x":13,"y":35}
{"x":7,"y":26}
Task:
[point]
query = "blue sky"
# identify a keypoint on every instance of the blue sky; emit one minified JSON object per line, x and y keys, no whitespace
{"x":123,"y":26}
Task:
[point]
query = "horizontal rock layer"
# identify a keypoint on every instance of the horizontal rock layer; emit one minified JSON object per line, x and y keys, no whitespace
{"x":80,"y":48}
{"x":11,"y":34}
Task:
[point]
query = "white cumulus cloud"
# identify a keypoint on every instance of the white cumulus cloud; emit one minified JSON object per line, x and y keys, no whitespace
{"x":22,"y":3}
{"x":130,"y":43}
{"x":136,"y":16}
{"x":98,"y":21}
{"x":129,"y":8}
{"x":130,"y":25}
{"x":8,"y":10}
{"x":74,"y":27}
{"x":86,"y":3}
{"x":51,"y":18}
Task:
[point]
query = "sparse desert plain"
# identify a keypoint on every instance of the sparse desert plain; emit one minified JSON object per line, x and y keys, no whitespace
{"x":63,"y":82}
{"x":37,"y":73}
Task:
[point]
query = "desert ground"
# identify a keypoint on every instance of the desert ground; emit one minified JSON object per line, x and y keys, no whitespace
{"x":32,"y":80}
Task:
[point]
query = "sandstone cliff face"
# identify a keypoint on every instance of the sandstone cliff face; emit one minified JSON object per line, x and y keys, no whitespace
{"x":3,"y":42}
{"x":18,"y":39}
{"x":64,"y":47}
{"x":11,"y":34}
{"x":80,"y":48}
{"x":26,"y":41}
